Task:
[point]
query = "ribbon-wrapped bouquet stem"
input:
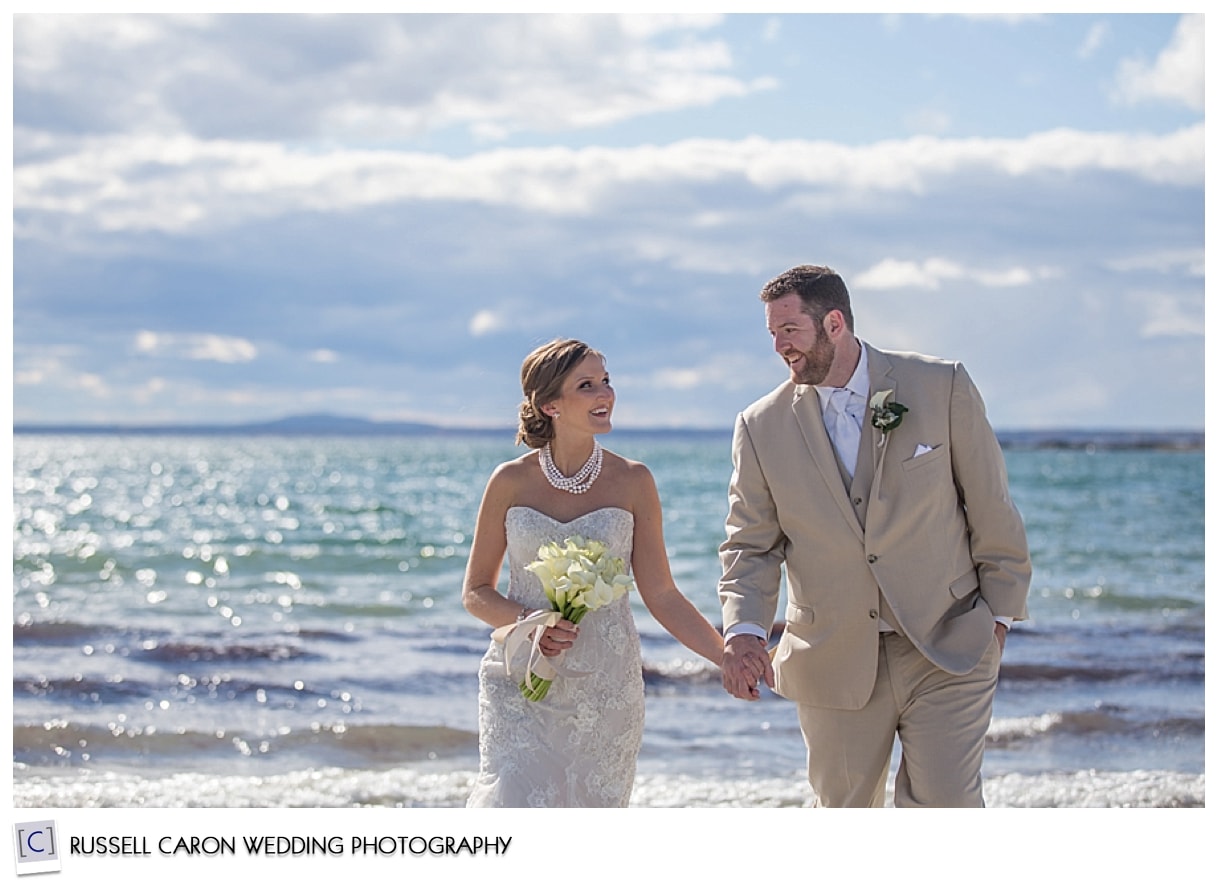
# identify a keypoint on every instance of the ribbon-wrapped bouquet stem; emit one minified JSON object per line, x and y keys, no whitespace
{"x":578,"y":576}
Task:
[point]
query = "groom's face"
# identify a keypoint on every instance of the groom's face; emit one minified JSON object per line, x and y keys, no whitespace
{"x":799,"y":340}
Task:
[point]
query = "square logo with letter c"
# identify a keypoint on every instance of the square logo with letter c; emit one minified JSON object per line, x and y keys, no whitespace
{"x":36,"y":847}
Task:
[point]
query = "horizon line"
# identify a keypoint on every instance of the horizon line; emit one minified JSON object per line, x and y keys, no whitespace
{"x":330,"y":424}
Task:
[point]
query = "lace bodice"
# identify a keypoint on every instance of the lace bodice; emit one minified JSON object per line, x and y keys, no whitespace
{"x":529,"y":529}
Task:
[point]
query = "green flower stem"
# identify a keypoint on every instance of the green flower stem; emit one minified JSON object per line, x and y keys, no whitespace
{"x":536,"y":688}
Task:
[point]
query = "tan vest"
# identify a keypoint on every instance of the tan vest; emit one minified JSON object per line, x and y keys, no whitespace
{"x":859,"y":488}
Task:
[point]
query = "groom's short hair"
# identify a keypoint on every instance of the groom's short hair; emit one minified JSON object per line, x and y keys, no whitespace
{"x":819,"y":288}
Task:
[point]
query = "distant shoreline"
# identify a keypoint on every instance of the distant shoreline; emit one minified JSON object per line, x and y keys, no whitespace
{"x":332,"y":426}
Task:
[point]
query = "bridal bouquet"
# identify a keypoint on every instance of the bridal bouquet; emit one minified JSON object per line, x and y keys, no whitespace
{"x":578,"y":576}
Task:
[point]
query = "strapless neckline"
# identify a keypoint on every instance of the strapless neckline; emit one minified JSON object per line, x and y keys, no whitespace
{"x":573,"y":520}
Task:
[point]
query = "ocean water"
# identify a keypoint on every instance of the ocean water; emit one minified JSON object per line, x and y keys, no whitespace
{"x":253,"y":621}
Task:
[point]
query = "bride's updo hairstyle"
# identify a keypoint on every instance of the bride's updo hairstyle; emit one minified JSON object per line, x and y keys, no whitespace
{"x":541,"y":378}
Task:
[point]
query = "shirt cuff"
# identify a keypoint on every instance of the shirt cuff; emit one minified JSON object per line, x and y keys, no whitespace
{"x":1005,"y":620}
{"x":746,"y":628}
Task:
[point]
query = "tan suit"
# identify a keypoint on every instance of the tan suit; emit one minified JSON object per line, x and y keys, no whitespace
{"x":930,"y":543}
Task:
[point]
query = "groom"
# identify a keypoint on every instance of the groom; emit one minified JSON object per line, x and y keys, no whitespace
{"x":875,"y":479}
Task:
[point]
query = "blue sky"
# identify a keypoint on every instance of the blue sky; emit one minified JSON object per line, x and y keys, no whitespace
{"x":234,"y":218}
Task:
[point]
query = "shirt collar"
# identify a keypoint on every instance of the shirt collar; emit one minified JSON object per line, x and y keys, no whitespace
{"x":859,"y":382}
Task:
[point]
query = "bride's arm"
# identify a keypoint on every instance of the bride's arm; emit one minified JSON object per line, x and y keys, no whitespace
{"x":653,"y":576}
{"x":480,"y":593}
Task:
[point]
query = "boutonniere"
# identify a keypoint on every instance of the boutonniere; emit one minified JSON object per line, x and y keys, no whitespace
{"x":886,"y":415}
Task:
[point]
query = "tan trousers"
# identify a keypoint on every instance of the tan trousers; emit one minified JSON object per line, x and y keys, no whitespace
{"x":941,"y":719}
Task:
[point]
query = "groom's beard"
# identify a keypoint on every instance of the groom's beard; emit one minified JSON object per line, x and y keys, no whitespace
{"x":816,"y":361}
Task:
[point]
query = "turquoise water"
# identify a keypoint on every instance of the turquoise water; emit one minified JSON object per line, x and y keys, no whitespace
{"x":222,"y":620}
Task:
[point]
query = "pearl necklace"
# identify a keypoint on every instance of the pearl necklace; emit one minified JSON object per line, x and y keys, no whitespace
{"x":582,"y":480}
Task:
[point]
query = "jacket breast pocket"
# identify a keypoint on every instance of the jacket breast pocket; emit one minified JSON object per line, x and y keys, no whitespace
{"x":925,"y":460}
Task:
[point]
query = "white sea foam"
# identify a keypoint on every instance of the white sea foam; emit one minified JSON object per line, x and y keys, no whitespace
{"x":447,"y":787}
{"x":1005,"y":729}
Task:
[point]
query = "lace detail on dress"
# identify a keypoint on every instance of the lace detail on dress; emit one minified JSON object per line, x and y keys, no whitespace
{"x":579,"y":746}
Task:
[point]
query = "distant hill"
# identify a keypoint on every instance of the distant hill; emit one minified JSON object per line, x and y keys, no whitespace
{"x":1113,"y":439}
{"x":318,"y":425}
{"x":303,"y":424}
{"x":331,"y":425}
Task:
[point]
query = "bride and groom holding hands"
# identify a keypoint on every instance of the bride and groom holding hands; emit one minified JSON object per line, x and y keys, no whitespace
{"x":871,"y":478}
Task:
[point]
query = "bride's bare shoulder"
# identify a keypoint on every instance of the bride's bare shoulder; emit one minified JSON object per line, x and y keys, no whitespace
{"x":629,"y":471}
{"x":514,"y":472}
{"x":525,"y":460}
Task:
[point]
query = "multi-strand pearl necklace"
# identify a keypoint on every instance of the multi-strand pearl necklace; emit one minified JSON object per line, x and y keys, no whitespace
{"x":582,"y":480}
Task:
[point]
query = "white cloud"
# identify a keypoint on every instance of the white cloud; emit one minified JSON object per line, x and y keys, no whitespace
{"x":175,"y":184}
{"x":678,"y":378}
{"x":370,"y":77}
{"x":1175,"y":158}
{"x":1008,"y":18}
{"x":1168,"y":316}
{"x":721,"y":372}
{"x":1176,"y":76}
{"x":324,"y":356}
{"x":1015,"y":277}
{"x":45,"y":365}
{"x":485,"y":322}
{"x":196,"y":347}
{"x":149,"y":390}
{"x":92,"y":383}
{"x":1190,"y":261}
{"x":1097,"y":35}
{"x":930,"y":274}
{"x":908,"y":274}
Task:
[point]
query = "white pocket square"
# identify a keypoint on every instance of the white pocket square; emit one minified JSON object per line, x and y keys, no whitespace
{"x":921,"y":449}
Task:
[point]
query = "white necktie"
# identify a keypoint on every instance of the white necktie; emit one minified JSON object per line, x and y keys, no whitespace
{"x":844,"y":428}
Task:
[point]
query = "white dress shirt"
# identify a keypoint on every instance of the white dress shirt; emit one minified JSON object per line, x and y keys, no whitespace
{"x":843,"y":408}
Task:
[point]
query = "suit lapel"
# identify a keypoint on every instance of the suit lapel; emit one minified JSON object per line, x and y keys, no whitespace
{"x":880,"y":378}
{"x":806,"y":406}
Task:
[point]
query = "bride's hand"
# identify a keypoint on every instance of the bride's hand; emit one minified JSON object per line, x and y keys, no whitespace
{"x":559,"y":638}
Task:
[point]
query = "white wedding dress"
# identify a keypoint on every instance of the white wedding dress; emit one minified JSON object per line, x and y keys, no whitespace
{"x":578,"y":746}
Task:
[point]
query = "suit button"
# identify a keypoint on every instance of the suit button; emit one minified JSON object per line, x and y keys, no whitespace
{"x":858,"y":500}
{"x":873,"y":613}
{"x":871,"y":558}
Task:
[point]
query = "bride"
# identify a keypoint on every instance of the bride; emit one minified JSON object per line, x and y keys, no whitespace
{"x":578,"y":745}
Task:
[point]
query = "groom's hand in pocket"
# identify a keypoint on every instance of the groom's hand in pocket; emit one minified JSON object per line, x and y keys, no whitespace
{"x":1000,"y":634}
{"x":745,"y":663}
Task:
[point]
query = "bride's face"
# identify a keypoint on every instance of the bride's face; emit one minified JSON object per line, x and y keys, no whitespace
{"x":587,"y":398}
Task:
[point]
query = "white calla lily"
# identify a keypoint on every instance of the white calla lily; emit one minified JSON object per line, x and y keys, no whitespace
{"x":578,"y":576}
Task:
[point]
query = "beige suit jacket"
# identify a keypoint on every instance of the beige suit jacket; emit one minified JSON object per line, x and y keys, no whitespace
{"x":933,"y":542}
